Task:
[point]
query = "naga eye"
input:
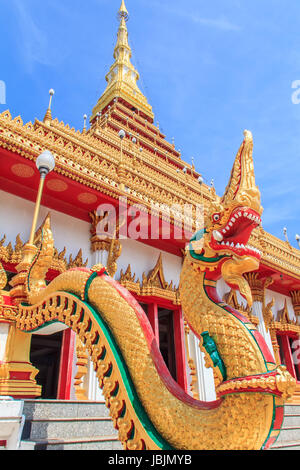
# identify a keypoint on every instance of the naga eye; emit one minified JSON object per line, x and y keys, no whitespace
{"x":216,"y":217}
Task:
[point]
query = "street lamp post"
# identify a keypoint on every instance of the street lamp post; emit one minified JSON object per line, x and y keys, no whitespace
{"x":45,"y":163}
{"x":18,"y":368}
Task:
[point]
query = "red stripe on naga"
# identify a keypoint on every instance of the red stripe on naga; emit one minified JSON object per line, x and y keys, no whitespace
{"x":157,"y":358}
{"x":235,"y":388}
{"x":214,"y":297}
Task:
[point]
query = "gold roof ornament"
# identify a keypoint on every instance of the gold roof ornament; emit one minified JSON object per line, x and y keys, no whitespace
{"x":60,"y":263}
{"x":123,"y":13}
{"x":151,"y":285}
{"x":48,"y":116}
{"x":122,"y":76}
{"x":241,"y":189}
{"x":3,"y":277}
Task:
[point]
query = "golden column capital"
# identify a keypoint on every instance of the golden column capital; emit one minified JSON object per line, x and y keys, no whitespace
{"x":110,"y":244}
{"x":295,"y":296}
{"x":256,"y":285}
{"x":98,"y":243}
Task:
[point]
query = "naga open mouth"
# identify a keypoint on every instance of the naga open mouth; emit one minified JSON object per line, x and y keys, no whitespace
{"x":234,"y":236}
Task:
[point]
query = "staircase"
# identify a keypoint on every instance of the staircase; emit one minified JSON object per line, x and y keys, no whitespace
{"x":75,"y":425}
{"x":289,"y":437}
{"x":68,"y":425}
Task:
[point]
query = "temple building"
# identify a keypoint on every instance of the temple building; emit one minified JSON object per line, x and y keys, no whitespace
{"x":121,"y":160}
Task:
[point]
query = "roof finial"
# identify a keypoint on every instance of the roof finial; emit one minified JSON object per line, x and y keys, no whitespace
{"x":122,"y":77}
{"x":123,"y":13}
{"x":84,"y":122}
{"x":48,"y":115}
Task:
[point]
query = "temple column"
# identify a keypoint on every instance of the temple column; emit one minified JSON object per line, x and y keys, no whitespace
{"x":17,"y":374}
{"x":82,"y":365}
{"x":201,"y":383}
{"x":105,"y":251}
{"x":275,"y":345}
{"x":259,"y":309}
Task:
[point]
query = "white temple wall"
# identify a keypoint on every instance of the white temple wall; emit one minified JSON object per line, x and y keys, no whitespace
{"x":16,"y":218}
{"x":16,"y":215}
{"x":143,"y":258}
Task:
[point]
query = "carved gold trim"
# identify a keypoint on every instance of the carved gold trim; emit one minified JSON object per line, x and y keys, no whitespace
{"x":7,"y":312}
{"x":295,"y":295}
{"x":82,"y":370}
{"x":60,"y":263}
{"x":153,"y":284}
{"x":267,"y":308}
{"x":94,"y":161}
{"x":191,"y":363}
{"x":129,"y":281}
{"x":275,"y":345}
{"x":271,"y":382}
{"x":3,"y":278}
{"x":112,"y":245}
{"x":256,"y":286}
{"x":284,"y":323}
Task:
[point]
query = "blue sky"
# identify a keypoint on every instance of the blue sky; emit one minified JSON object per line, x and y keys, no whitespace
{"x":209,"y":69}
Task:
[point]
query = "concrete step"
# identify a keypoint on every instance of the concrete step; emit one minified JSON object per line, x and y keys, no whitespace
{"x":52,"y":428}
{"x":286,"y":446}
{"x":294,"y":409}
{"x":90,"y":443}
{"x":289,"y":434}
{"x":289,"y":437}
{"x":35,"y":409}
{"x":68,"y":425}
{"x":291,"y":419}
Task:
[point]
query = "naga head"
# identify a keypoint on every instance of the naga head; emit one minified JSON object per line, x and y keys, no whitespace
{"x":223,"y":244}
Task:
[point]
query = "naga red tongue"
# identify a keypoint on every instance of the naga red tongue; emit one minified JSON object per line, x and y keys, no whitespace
{"x":236,"y":233}
{"x":240,"y":226}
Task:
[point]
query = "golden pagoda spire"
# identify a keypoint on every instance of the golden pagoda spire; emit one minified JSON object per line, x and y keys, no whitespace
{"x":123,"y":11}
{"x":122,"y":76}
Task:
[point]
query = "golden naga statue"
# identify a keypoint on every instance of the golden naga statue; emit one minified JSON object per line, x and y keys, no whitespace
{"x":147,"y":406}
